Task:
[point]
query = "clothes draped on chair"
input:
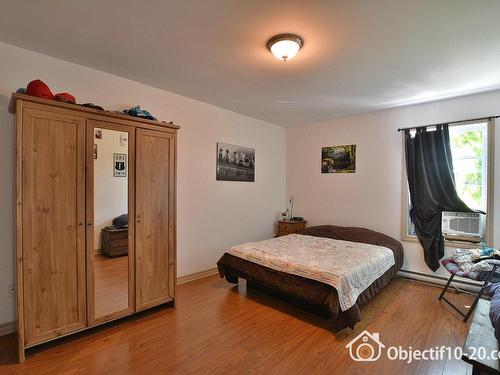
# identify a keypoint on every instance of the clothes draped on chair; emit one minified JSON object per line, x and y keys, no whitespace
{"x":431,"y":181}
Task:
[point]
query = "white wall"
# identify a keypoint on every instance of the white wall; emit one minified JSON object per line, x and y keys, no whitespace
{"x":110,"y":192}
{"x":372,"y":197}
{"x":211,"y":215}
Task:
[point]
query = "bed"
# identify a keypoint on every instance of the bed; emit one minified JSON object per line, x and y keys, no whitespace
{"x":299,"y":286}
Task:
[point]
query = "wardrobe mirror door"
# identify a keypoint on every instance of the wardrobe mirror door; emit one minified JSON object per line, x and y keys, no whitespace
{"x":111,"y":239}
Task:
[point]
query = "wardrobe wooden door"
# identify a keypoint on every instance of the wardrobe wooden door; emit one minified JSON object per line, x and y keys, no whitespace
{"x":53,"y":215}
{"x":155,"y":218}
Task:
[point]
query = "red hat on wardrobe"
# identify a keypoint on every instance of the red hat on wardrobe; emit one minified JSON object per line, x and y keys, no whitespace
{"x":65,"y":98}
{"x":39,"y":89}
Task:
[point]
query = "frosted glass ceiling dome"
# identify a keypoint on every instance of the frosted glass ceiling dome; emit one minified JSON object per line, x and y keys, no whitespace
{"x":285,"y":46}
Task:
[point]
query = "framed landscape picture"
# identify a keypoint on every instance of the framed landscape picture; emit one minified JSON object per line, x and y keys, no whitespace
{"x":338,"y":159}
{"x":235,"y":163}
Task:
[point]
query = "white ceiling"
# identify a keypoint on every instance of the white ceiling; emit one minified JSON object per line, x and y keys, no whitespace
{"x":358,"y":56}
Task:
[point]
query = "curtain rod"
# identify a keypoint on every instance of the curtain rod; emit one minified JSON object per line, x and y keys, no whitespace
{"x":452,"y":122}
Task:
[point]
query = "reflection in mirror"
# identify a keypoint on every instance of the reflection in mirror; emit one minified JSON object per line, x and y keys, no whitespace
{"x":110,"y":221}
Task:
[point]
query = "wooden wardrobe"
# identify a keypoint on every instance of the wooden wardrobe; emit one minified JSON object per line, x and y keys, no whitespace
{"x":64,"y":284}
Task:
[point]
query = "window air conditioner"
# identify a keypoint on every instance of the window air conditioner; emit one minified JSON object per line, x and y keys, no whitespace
{"x":461,"y":224}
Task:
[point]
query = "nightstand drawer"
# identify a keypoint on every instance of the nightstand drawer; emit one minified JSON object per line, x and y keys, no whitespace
{"x":289,"y":227}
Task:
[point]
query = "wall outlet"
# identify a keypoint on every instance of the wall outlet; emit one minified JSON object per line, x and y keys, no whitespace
{"x":11,"y":290}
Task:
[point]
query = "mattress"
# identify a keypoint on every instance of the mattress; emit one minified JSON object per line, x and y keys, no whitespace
{"x":317,"y":295}
{"x":349,"y":267}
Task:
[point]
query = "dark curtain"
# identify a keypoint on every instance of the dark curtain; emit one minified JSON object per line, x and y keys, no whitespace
{"x":429,"y":167}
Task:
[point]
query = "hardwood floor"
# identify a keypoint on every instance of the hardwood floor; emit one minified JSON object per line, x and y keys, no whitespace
{"x":219,"y":328}
{"x":111,"y":284}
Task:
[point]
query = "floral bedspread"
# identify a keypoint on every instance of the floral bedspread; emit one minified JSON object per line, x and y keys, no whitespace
{"x":349,"y":267}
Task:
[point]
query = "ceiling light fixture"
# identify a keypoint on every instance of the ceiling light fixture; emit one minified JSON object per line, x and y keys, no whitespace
{"x":285,"y":46}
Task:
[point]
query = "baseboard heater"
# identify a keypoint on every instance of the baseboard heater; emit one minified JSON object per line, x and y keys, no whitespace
{"x":439,"y":280}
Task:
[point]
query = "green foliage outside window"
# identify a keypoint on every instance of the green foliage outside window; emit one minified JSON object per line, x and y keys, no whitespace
{"x":467,"y":149}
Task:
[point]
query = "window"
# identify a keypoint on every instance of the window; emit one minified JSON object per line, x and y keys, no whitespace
{"x":469,"y":148}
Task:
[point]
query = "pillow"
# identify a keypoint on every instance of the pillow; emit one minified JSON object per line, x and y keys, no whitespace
{"x":121,"y":221}
{"x":494,"y":291}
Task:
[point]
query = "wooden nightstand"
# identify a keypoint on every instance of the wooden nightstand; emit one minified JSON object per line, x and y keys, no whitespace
{"x":114,"y":241}
{"x":288,"y":227}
